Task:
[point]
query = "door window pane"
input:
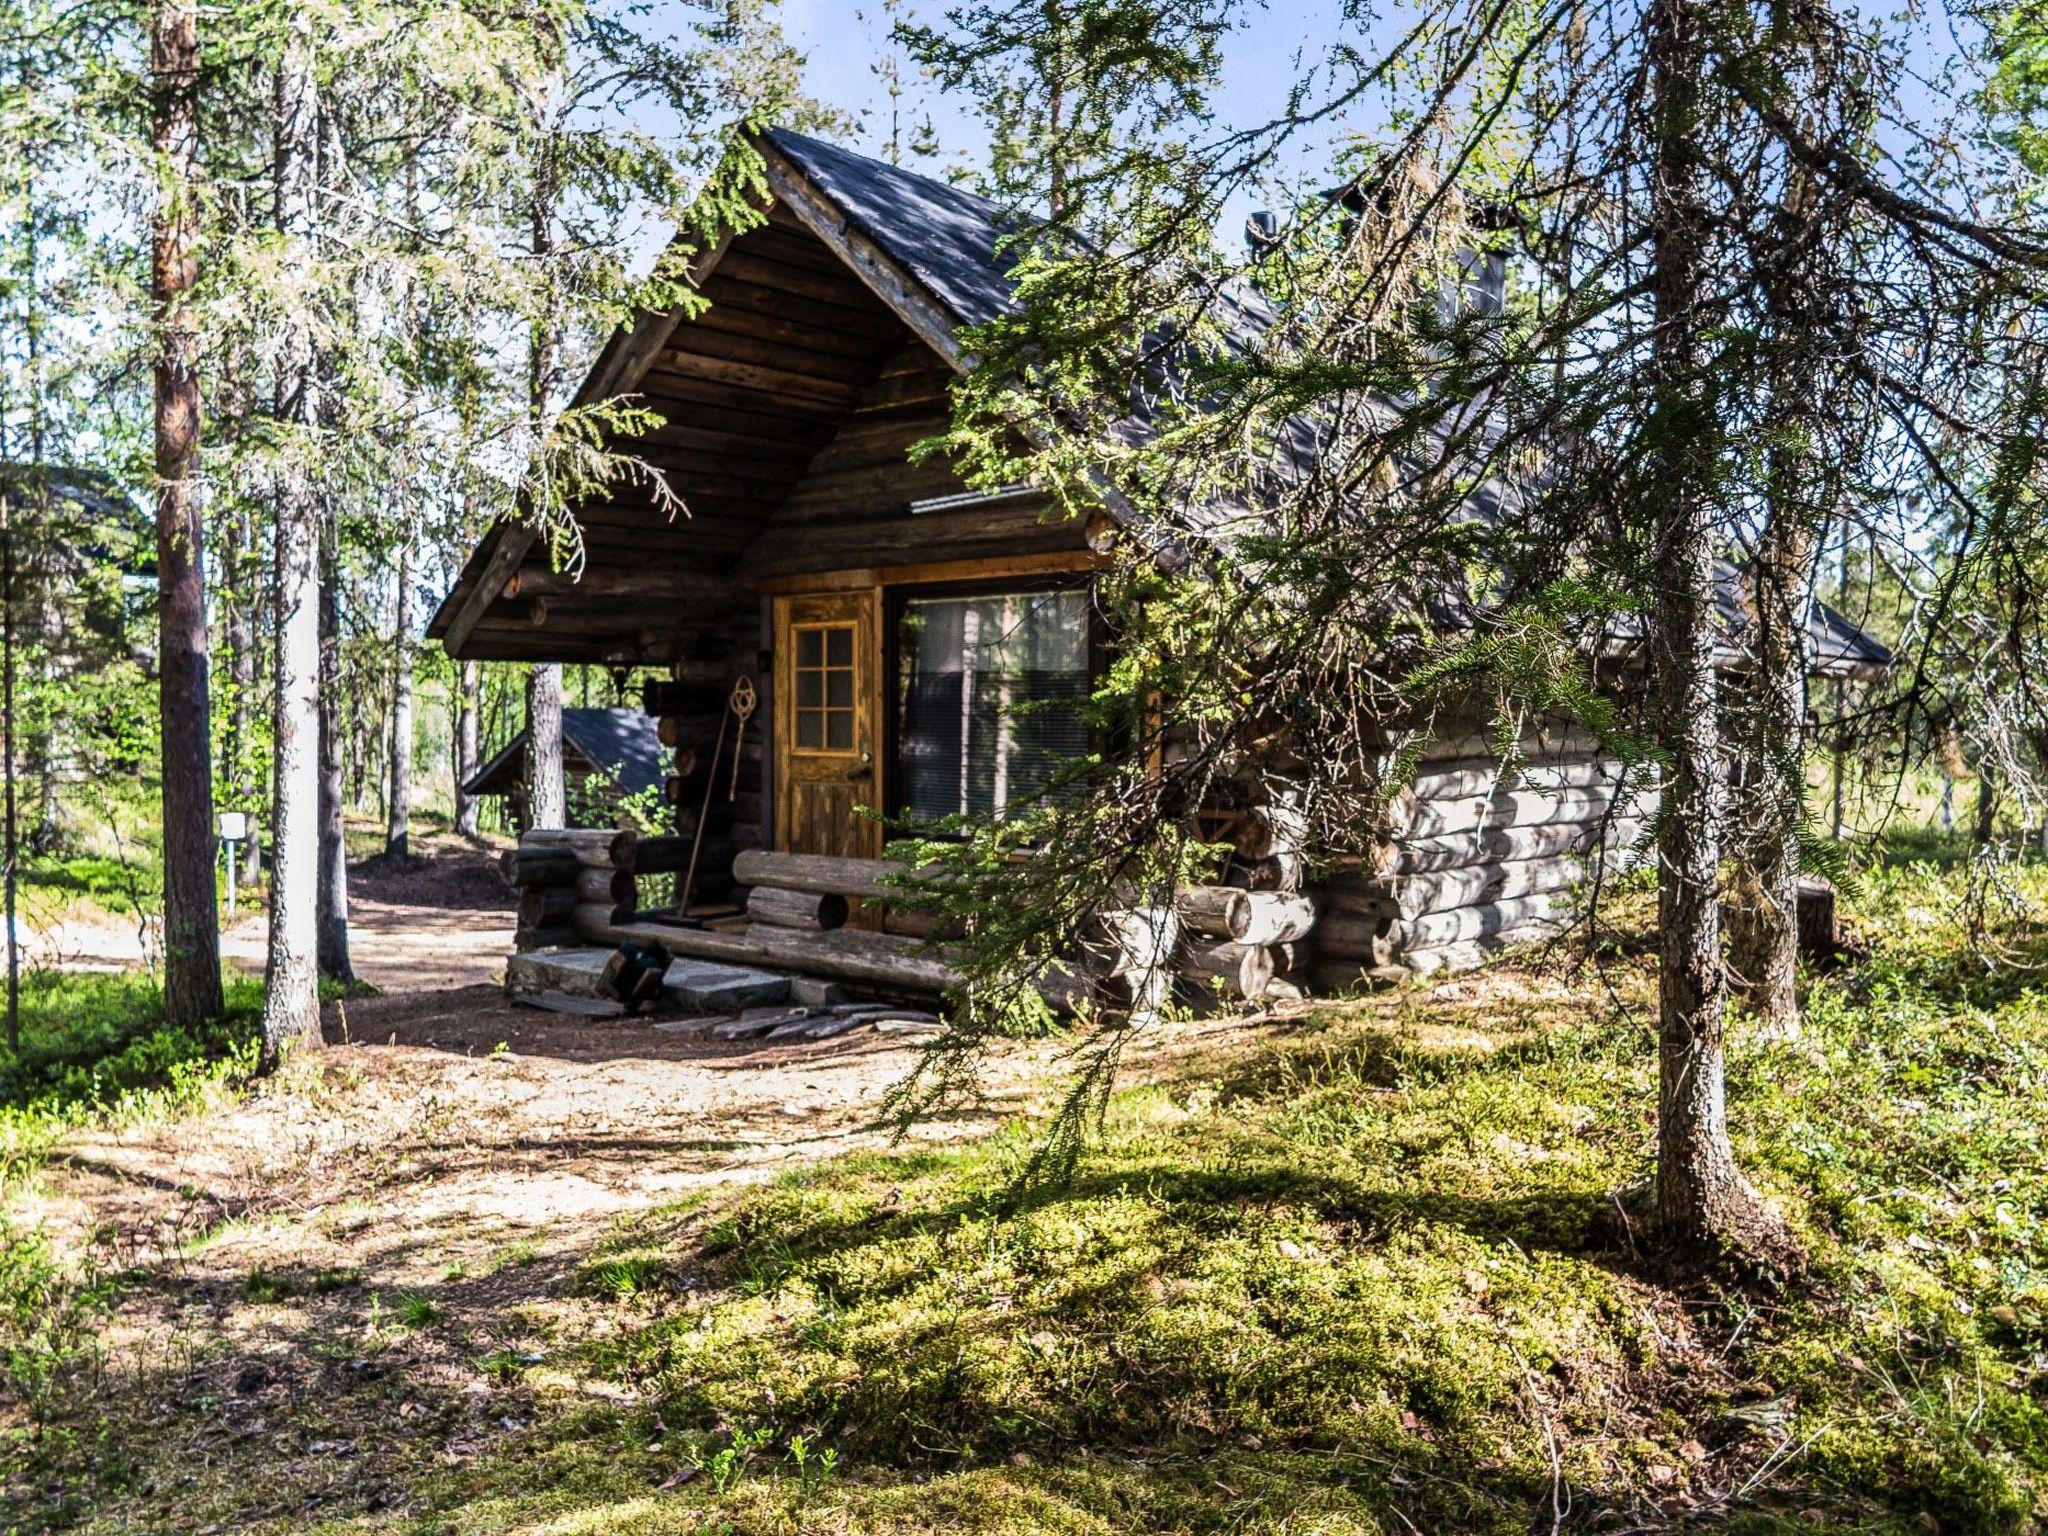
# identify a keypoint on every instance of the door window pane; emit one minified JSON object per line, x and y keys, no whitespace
{"x":823,"y":679}
{"x":990,"y":695}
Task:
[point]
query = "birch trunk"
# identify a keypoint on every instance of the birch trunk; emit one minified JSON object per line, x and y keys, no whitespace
{"x":398,"y":780}
{"x":192,"y":991}
{"x":291,"y":1003}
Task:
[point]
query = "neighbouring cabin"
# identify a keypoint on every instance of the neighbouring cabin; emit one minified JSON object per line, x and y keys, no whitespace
{"x":613,"y":760}
{"x":889,"y":623}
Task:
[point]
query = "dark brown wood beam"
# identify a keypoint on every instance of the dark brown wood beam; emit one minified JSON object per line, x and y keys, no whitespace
{"x":890,"y":282}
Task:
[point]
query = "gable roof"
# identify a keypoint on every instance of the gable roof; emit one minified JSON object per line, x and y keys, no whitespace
{"x":948,"y":239}
{"x":933,"y":254}
{"x":620,"y":743}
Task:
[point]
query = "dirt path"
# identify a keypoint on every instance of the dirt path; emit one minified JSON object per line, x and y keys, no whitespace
{"x":446,"y":1138}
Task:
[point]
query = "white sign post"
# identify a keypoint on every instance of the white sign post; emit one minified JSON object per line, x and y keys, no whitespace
{"x":234,"y":826}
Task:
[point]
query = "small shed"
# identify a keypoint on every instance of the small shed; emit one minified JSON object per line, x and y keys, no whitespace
{"x":610,"y":758}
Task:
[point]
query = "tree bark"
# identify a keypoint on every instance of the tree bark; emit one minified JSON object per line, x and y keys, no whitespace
{"x":1798,"y":493}
{"x":333,"y":907}
{"x":398,"y":780}
{"x":546,"y":799}
{"x":466,"y":806}
{"x":192,"y":991}
{"x":291,"y":1002}
{"x":242,"y":630}
{"x":1703,"y":1205}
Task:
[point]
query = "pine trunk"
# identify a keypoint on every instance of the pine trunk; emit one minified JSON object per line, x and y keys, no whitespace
{"x":546,"y":797}
{"x":1701,"y":1199}
{"x":291,"y":1002}
{"x":1764,"y":913}
{"x":192,"y":991}
{"x":466,"y":806}
{"x":398,"y":781}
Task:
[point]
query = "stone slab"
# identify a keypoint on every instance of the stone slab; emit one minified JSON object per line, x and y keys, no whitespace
{"x":575,"y":972}
{"x":709,"y":987}
{"x":816,"y":992}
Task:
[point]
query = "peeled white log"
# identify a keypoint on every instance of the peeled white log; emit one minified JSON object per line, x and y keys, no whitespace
{"x":1249,"y":917}
{"x":1461,"y":777}
{"x":1278,"y":917}
{"x":1407,"y":856}
{"x":1141,"y":941}
{"x":1407,"y":896}
{"x":859,"y":879}
{"x":1410,"y":816}
{"x":1469,"y":954}
{"x":819,"y":911}
{"x":1459,"y":924}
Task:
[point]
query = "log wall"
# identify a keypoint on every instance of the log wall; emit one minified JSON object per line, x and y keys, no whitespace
{"x":1471,"y":858}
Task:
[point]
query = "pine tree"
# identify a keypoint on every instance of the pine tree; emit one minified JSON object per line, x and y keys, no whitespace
{"x":192,"y":987}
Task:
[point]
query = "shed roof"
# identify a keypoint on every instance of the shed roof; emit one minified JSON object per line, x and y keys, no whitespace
{"x":620,"y":743}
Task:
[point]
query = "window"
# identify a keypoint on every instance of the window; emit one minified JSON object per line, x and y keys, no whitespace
{"x":990,"y":689}
{"x":824,"y":687}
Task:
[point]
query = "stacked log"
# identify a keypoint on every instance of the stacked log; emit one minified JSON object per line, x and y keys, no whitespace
{"x":1472,"y":858}
{"x":1244,"y":942}
{"x":855,"y":884}
{"x":573,"y":882}
{"x":817,"y":911}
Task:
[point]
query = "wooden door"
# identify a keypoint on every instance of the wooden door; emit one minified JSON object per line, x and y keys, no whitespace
{"x":828,"y":716}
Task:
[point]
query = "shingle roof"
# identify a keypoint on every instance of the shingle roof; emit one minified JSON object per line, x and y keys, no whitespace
{"x":620,"y":741}
{"x":946,"y":238}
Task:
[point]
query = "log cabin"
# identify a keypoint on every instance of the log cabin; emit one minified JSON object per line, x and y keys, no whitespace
{"x":886,"y":616}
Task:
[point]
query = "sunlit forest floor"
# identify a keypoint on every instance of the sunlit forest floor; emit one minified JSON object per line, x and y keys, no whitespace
{"x":1360,"y":1271}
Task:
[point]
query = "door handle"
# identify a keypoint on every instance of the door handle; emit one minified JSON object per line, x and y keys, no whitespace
{"x":867,"y":761}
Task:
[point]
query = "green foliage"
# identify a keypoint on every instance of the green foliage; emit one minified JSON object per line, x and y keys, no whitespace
{"x":96,"y":1043}
{"x":1371,"y":1267}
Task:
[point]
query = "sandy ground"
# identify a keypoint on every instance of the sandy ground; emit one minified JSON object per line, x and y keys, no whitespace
{"x":445,"y":1128}
{"x":444,"y":921}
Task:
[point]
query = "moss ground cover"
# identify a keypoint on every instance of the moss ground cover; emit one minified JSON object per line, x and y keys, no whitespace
{"x":1366,"y":1272}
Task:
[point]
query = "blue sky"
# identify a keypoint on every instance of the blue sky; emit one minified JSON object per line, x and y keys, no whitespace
{"x":843,"y":39}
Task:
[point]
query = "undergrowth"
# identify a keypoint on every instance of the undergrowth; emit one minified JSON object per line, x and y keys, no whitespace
{"x":1360,"y":1273}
